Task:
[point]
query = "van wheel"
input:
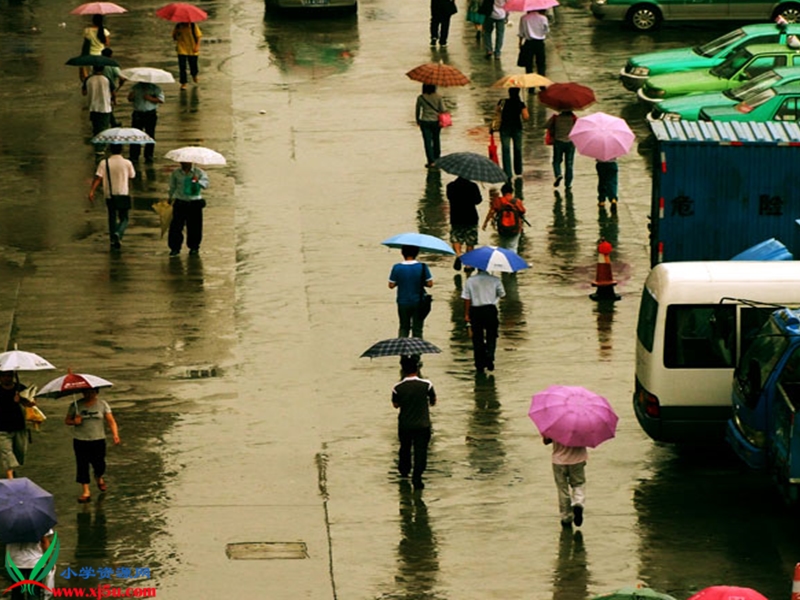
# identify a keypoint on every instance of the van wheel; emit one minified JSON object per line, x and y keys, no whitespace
{"x":790,"y":12}
{"x":644,"y":17}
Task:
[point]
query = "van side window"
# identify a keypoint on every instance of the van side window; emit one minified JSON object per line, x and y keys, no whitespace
{"x":700,"y":336}
{"x":789,"y":380}
{"x":646,"y":327}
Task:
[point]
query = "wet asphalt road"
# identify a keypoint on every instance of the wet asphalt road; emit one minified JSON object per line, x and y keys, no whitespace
{"x":245,"y":413}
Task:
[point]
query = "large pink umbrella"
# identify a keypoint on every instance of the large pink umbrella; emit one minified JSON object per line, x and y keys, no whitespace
{"x":602,"y":136}
{"x":727,"y":592}
{"x":98,"y":8}
{"x":528,"y":5}
{"x":573,"y":416}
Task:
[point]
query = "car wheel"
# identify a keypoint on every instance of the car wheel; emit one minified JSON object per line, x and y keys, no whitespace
{"x":644,"y":17}
{"x":790,"y":12}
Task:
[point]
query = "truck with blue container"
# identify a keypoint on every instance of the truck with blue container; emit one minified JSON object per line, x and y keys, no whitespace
{"x":765,"y":429}
{"x":720,"y":188}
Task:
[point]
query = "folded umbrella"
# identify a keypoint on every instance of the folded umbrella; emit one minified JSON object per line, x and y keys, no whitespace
{"x":180,"y":12}
{"x":122,"y":135}
{"x":98,"y":8}
{"x":406,"y":346}
{"x":573,"y":416}
{"x":27,"y":511}
{"x":438,"y":74}
{"x":493,"y":150}
{"x":422,"y":241}
{"x":602,"y":136}
{"x":492,"y":258}
{"x":472,"y":166}
{"x":147,"y":75}
{"x":164,"y":211}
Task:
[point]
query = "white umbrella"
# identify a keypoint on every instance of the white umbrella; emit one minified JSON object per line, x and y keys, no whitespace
{"x":122,"y":135}
{"x":147,"y":75}
{"x":72,"y":383}
{"x":197,"y":155}
{"x":17,"y":360}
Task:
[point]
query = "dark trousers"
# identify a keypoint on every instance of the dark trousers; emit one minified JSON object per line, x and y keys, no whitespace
{"x":417,"y":439}
{"x":146,"y":121}
{"x":117,"y":219}
{"x":100,"y":122}
{"x":410,"y":320}
{"x":607,"y":175}
{"x":89,"y":453}
{"x":189,"y":214}
{"x":440,"y":28}
{"x":484,"y":335}
{"x":183,"y":59}
{"x":430,"y":137}
{"x":537,"y":54}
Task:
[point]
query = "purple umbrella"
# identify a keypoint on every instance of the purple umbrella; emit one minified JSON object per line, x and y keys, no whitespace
{"x":602,"y":136}
{"x":573,"y":416}
{"x":526,"y":5}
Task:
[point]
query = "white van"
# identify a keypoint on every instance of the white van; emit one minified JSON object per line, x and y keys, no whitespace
{"x":695,"y":319}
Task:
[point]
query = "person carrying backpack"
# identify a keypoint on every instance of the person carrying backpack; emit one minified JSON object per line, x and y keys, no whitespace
{"x":508,"y":214}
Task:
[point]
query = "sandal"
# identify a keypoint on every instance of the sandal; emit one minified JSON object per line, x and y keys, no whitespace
{"x":101,"y":485}
{"x":84,"y":499}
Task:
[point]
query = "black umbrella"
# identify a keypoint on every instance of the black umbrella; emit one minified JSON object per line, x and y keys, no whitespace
{"x":400,"y":347}
{"x":92,"y":60}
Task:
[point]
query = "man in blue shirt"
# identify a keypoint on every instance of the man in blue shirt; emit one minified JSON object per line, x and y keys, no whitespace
{"x":145,"y":97}
{"x":186,"y":185}
{"x":410,"y":278}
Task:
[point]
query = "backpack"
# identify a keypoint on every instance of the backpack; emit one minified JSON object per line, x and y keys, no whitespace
{"x":508,"y":221}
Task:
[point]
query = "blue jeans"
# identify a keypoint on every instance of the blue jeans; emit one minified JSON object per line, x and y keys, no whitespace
{"x":488,"y":25}
{"x":505,"y":142}
{"x":430,"y":137}
{"x":563,"y":151}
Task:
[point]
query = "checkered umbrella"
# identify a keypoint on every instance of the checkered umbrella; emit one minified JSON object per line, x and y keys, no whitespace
{"x":400,"y":347}
{"x":438,"y":74}
{"x":472,"y":166}
{"x":122,"y":135}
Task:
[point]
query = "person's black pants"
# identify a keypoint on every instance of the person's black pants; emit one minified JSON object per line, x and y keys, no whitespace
{"x":188,"y":214}
{"x":484,"y":335}
{"x":440,"y":28}
{"x":89,"y":453}
{"x":418,"y":440}
{"x":183,"y":59}
{"x":146,"y":121}
{"x":537,"y":54}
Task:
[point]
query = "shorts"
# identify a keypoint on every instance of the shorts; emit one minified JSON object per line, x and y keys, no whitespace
{"x":13,"y":446}
{"x":464,"y":234}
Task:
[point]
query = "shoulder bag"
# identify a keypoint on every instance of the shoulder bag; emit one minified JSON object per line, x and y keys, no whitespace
{"x":445,"y":118}
{"x":426,"y":303}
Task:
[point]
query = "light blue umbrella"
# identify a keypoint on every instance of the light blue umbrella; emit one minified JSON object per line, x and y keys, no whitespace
{"x":425,"y":242}
{"x":492,"y":258}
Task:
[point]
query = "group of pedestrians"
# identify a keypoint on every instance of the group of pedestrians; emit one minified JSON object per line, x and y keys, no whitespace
{"x":115,"y":172}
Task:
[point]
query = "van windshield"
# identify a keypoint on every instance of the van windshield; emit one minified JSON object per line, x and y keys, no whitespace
{"x":758,"y":361}
{"x":714,"y":46}
{"x":699,"y":336}
{"x":757,"y":84}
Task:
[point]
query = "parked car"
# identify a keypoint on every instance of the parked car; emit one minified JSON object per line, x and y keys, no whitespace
{"x":642,"y":66}
{"x":774,"y":104}
{"x":645,"y":15}
{"x":317,"y":6}
{"x":743,"y":65}
{"x":688,"y":107}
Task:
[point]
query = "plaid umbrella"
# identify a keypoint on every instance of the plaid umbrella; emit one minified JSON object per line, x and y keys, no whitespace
{"x":438,"y":74}
{"x":567,"y":96}
{"x":400,"y":347}
{"x":122,"y":135}
{"x":472,"y":166}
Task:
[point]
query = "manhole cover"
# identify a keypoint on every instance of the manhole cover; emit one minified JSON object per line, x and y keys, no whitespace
{"x":266,"y":550}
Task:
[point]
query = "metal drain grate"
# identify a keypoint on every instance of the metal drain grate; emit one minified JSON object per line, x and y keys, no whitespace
{"x":266,"y":550}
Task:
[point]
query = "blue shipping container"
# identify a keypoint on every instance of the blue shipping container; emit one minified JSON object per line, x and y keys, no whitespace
{"x":721,"y":187}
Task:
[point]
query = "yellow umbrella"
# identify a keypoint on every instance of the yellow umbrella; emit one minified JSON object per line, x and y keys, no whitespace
{"x":522,"y":80}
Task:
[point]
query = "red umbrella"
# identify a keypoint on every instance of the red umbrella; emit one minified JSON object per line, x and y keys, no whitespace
{"x":438,"y":74}
{"x":98,"y":8}
{"x":567,"y":96}
{"x":727,"y":592}
{"x":180,"y":12}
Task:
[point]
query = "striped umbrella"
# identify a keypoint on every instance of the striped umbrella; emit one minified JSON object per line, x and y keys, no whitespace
{"x":492,"y":258}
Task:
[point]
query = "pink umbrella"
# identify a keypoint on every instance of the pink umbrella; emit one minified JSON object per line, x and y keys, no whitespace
{"x":602,"y":136}
{"x":528,"y":5}
{"x":180,"y":12}
{"x":98,"y":8}
{"x":727,"y":592}
{"x":573,"y":416}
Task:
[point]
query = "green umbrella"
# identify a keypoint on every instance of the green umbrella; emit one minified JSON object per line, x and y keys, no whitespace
{"x":634,"y":593}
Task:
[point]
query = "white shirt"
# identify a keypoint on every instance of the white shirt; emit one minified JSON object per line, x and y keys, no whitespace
{"x":498,"y":12}
{"x":568,"y":455}
{"x":483,"y":289}
{"x":121,"y":170}
{"x":98,"y":91}
{"x":26,"y":554}
{"x":534,"y":26}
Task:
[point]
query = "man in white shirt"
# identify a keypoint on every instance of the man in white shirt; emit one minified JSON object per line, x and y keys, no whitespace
{"x":115,"y":172}
{"x":481,"y":294}
{"x":533,"y":30}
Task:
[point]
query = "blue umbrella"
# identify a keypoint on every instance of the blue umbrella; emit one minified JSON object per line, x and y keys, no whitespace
{"x":492,"y":258}
{"x":424,"y":242}
{"x":27,"y":511}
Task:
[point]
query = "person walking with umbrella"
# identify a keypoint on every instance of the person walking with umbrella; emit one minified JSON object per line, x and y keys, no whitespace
{"x":410,"y":277}
{"x":145,"y":98}
{"x":463,"y":196}
{"x":413,"y":397}
{"x":533,"y":30}
{"x":186,"y":185}
{"x":13,"y":432}
{"x":558,"y":128}
{"x":429,"y":105}
{"x":115,"y":172}
{"x":481,"y":294}
{"x":187,"y":43}
{"x":88,"y":418}
{"x":569,"y":472}
{"x":98,"y":92}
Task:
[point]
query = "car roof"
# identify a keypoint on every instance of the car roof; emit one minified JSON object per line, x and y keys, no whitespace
{"x":769,"y":28}
{"x":792,"y":87}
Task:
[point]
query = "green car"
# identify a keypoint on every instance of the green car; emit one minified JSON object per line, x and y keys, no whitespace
{"x":741,"y":66}
{"x":688,"y":107}
{"x":642,"y":66}
{"x":774,"y":104}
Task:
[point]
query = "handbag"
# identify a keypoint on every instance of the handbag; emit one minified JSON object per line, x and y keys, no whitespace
{"x":426,"y":303}
{"x":445,"y":119}
{"x":497,"y":119}
{"x":548,"y":137}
